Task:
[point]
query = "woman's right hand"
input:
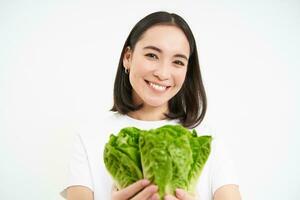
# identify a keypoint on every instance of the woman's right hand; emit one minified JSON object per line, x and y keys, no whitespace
{"x":140,"y":190}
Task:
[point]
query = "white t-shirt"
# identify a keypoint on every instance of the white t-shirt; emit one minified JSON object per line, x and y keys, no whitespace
{"x":87,"y":167}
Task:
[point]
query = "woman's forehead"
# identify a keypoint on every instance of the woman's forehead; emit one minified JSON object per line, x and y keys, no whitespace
{"x":165,"y":37}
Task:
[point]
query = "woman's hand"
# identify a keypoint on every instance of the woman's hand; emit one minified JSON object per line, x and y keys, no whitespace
{"x":180,"y":195}
{"x":140,"y":190}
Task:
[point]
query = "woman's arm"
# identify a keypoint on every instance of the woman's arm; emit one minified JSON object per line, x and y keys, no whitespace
{"x":228,"y":192}
{"x":79,"y":193}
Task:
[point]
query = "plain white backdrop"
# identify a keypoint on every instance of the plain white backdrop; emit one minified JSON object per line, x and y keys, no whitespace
{"x":57,"y":66}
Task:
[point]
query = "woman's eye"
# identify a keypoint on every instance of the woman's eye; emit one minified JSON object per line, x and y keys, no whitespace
{"x":179,"y":62}
{"x":151,"y":55}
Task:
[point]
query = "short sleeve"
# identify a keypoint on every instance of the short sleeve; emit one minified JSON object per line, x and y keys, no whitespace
{"x":79,"y":172}
{"x":223,"y":168}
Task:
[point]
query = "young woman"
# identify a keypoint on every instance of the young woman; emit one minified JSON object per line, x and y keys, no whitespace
{"x":158,"y":82}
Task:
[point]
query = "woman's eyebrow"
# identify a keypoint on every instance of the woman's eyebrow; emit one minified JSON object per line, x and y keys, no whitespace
{"x":159,"y":50}
{"x":153,"y":48}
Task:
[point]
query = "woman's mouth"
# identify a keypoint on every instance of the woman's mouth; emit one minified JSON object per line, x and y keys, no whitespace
{"x":156,"y":87}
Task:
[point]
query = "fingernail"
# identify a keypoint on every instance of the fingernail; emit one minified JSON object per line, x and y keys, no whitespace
{"x":154,"y":188}
{"x":167,"y":197}
{"x":145,"y":182}
{"x":179,"y":193}
{"x":155,"y":197}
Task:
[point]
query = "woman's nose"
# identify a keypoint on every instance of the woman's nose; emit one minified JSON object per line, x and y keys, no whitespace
{"x":163,"y":71}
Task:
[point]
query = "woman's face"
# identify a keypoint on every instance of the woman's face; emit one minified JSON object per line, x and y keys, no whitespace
{"x":158,"y":65}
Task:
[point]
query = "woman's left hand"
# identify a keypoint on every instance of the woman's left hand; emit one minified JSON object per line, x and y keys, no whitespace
{"x":180,"y":195}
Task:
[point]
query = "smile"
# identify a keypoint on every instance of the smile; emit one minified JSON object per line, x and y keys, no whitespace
{"x":156,"y":87}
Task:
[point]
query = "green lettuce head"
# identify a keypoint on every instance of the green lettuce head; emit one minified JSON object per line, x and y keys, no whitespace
{"x":170,"y":156}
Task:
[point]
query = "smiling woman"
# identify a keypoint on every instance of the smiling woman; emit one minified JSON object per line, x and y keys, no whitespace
{"x":157,"y":67}
{"x":158,"y":76}
{"x":158,"y":82}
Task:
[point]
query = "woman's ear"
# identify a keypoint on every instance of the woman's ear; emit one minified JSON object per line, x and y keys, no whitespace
{"x":127,"y":57}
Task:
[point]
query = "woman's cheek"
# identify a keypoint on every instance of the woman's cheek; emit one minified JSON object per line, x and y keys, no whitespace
{"x":180,"y":77}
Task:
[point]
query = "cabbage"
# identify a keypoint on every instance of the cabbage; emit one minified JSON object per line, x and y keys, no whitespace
{"x":170,"y":156}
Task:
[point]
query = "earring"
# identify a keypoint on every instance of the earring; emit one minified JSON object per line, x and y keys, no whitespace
{"x":126,"y":71}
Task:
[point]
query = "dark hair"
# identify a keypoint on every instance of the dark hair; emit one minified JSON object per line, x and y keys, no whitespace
{"x":186,"y":104}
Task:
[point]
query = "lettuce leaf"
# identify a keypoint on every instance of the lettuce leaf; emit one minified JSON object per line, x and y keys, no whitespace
{"x":122,"y":157}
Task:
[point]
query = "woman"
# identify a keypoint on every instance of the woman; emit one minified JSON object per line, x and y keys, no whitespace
{"x":158,"y":82}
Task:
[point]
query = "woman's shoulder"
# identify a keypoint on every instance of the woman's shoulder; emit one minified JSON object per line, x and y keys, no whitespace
{"x":101,"y":126}
{"x":205,"y":128}
{"x":96,"y":125}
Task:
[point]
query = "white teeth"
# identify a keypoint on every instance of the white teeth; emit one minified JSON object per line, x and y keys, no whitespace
{"x":157,"y":87}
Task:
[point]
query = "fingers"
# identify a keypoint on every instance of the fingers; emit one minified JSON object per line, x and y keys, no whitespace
{"x":142,"y":189}
{"x":146,"y":193}
{"x":131,"y":190}
{"x":180,"y":195}
{"x":184,"y":195}
{"x":155,"y":197}
{"x":170,"y":197}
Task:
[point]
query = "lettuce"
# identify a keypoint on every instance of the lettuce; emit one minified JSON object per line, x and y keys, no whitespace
{"x":170,"y":156}
{"x":122,"y":157}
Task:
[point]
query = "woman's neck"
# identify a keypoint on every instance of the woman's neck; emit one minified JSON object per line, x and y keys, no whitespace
{"x":149,"y":114}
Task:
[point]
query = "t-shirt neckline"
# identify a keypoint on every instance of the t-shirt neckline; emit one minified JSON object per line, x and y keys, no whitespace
{"x":148,"y":122}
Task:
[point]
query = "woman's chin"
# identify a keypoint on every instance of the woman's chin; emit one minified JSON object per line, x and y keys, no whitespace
{"x":155,"y":103}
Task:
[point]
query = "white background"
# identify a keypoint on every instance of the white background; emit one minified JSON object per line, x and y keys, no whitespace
{"x":57,"y":66}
